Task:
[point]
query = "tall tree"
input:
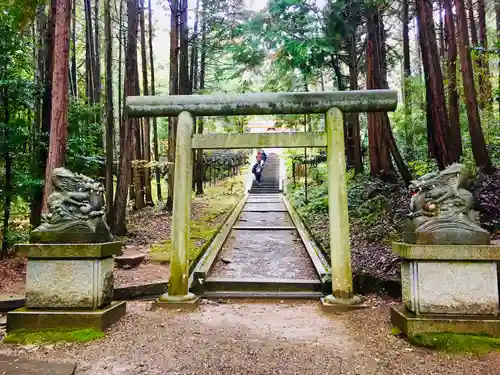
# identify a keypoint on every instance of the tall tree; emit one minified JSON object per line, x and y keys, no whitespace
{"x":124,"y":178}
{"x":203,"y":62}
{"x":479,"y":150}
{"x":193,"y":81}
{"x":97,"y":57}
{"x":497,"y":17}
{"x":155,"y":124}
{"x":406,"y":77}
{"x":173,"y":90}
{"x":451,"y":43}
{"x":110,"y":124}
{"x":146,"y":144}
{"x":73,"y":75}
{"x":59,"y":113}
{"x":380,"y":138}
{"x":406,"y":50}
{"x":45,"y":74}
{"x":89,"y":53}
{"x":485,"y":93}
{"x":183,"y":48}
{"x":440,"y":132}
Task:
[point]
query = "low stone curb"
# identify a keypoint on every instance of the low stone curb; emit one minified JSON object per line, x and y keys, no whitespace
{"x":9,"y":303}
{"x":124,"y":293}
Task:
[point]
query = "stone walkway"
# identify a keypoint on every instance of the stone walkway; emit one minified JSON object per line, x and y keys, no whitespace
{"x":266,"y":252}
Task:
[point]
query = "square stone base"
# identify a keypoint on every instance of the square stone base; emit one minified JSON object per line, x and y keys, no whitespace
{"x":412,"y":324}
{"x":69,"y":283}
{"x":37,"y":320}
{"x":186,"y":305}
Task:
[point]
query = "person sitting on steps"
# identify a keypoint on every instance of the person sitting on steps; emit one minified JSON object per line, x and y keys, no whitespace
{"x":257,"y":171}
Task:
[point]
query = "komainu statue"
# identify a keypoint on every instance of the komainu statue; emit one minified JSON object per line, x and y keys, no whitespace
{"x":441,"y":210}
{"x":75,"y":211}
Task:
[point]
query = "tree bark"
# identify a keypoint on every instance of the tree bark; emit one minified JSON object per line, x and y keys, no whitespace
{"x":155,"y":124}
{"x":121,"y":47}
{"x":441,"y":30}
{"x":89,"y":53}
{"x":485,"y":93}
{"x":97,"y":58}
{"x":200,"y":170}
{"x":145,"y":121}
{"x":59,"y":112}
{"x":193,"y":83}
{"x":183,"y":49}
{"x":137,"y":145}
{"x":110,"y":124}
{"x":353,"y":129}
{"x":380,"y":158}
{"x":380,"y":139}
{"x":451,"y":42}
{"x":173,"y":90}
{"x":74,"y":78}
{"x":46,"y":68}
{"x":497,"y":17}
{"x":472,"y":23}
{"x":8,"y":187}
{"x":479,"y":150}
{"x":441,"y":131}
{"x":124,"y":178}
{"x":406,"y":49}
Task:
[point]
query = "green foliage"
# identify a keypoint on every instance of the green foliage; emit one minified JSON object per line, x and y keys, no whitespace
{"x":85,"y":150}
{"x":25,"y":337}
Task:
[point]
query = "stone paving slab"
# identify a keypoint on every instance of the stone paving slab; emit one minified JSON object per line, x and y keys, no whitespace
{"x":264,"y":218}
{"x":10,"y":365}
{"x":269,"y":254}
{"x":256,"y":207}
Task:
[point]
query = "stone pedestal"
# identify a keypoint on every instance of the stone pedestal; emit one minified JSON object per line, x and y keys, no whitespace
{"x":68,"y":286}
{"x":448,"y":288}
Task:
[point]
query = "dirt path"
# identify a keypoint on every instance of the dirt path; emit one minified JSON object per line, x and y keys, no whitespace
{"x":258,"y":339}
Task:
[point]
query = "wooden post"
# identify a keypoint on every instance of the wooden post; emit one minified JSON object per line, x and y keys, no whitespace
{"x":178,"y":288}
{"x":337,"y":209}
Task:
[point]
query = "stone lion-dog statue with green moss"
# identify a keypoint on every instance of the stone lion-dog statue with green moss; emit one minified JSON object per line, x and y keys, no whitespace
{"x":441,"y":210}
{"x":75,"y":211}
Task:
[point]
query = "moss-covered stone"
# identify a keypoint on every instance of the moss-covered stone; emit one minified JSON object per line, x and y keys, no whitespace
{"x":456,"y":343}
{"x":38,"y":320}
{"x":262,"y":103}
{"x":69,"y":251}
{"x":23,"y":336}
{"x":412,"y":325}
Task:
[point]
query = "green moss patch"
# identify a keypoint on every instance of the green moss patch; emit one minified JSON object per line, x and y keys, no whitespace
{"x":457,"y":343}
{"x":201,"y":233}
{"x":22,"y":336}
{"x":216,"y":203}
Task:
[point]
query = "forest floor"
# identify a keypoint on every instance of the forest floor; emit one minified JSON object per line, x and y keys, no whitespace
{"x":257,"y":338}
{"x":377,"y":218}
{"x":149,"y":234}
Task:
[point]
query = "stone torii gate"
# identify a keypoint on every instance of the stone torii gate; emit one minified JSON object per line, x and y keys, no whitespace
{"x":332,"y":104}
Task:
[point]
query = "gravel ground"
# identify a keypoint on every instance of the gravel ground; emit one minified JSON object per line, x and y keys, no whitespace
{"x":256,"y":338}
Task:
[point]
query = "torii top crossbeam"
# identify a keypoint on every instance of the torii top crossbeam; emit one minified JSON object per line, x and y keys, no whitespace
{"x":279,"y":103}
